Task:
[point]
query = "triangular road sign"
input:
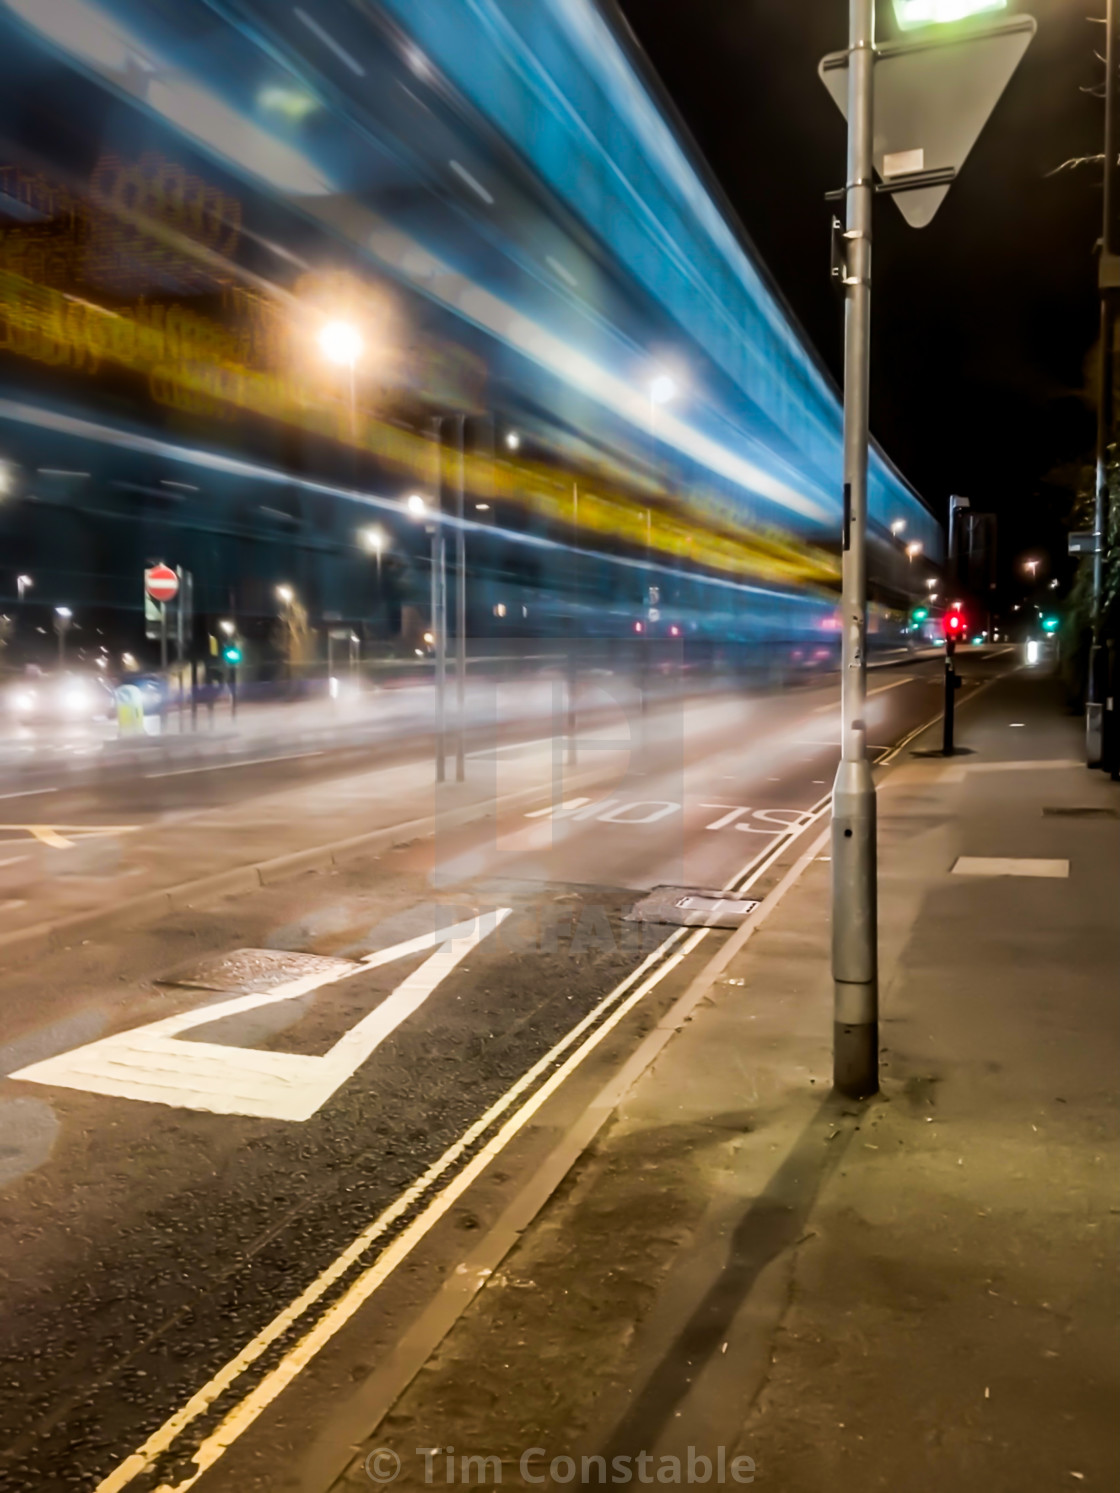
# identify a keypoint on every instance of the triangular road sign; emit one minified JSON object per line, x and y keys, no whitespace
{"x":932,"y":99}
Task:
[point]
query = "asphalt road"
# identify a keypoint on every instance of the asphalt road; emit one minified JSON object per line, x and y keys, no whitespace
{"x":247,"y":1136}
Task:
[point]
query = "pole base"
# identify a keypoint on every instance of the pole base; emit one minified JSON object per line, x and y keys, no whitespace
{"x":855,"y":1059}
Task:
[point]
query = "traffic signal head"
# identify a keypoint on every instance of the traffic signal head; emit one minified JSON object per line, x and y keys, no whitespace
{"x":919,"y":614}
{"x":1050,"y":625}
{"x":954,"y":625}
{"x":231,"y":654}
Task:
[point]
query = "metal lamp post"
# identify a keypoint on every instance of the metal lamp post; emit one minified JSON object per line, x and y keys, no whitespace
{"x":855,"y":972}
{"x":63,"y":617}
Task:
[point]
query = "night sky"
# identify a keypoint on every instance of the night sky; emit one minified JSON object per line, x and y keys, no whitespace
{"x":985,"y":322}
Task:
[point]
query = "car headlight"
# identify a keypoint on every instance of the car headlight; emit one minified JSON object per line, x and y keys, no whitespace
{"x":22,"y":701}
{"x":76,"y":699}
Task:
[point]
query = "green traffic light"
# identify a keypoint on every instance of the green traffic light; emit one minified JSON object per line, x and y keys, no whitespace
{"x":1051,"y":624}
{"x":232,"y":654}
{"x":919,"y":614}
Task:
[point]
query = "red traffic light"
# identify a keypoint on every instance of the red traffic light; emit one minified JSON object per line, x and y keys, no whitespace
{"x":954,"y":623}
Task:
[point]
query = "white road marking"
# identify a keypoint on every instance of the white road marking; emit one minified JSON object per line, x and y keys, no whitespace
{"x":28,"y":793}
{"x":558,"y":811}
{"x":14,"y":860}
{"x":150,"y":1063}
{"x":1009,"y":865}
{"x":770,"y":816}
{"x":879,"y":690}
{"x":609,"y":810}
{"x":657,"y":808}
{"x":514,"y":746}
{"x":182,"y":772}
{"x":734,"y":812}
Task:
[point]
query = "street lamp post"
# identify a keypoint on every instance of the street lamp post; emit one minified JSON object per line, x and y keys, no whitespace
{"x":461,"y":600}
{"x":1108,"y":280}
{"x":63,"y":617}
{"x":418,"y":508}
{"x":855,"y":971}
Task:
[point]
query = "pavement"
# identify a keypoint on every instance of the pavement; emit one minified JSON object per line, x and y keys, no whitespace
{"x":288,"y":1178}
{"x":918,"y":1291}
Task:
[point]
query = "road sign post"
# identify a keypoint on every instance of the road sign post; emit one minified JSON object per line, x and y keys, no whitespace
{"x":914,"y":110}
{"x":855,"y":971}
{"x":161,"y":585}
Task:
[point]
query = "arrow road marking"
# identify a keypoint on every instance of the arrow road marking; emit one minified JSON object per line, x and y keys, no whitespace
{"x":150,"y":1062}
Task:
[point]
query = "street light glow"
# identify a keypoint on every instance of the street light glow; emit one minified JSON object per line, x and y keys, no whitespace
{"x":64,"y":612}
{"x":340,"y":343}
{"x":285,"y":594}
{"x":513,"y":440}
{"x":910,"y":14}
{"x":228,"y":627}
{"x":373,"y":538}
{"x":898,"y":527}
{"x":662,"y":389}
{"x":416,"y":505}
{"x":915,"y":547}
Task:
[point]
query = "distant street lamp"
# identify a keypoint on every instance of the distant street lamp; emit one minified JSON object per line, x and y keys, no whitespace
{"x":513,"y":440}
{"x":373,"y":539}
{"x":898,"y":527}
{"x":63,"y":617}
{"x":1032,"y":566}
{"x":24,"y":584}
{"x":416,"y":505}
{"x":227,"y":627}
{"x":914,"y":549}
{"x":285,"y":595}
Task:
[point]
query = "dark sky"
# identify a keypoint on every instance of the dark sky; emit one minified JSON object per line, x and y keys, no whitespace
{"x":983,"y":322}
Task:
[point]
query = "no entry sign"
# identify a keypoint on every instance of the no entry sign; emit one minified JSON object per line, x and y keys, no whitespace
{"x":161,"y":583}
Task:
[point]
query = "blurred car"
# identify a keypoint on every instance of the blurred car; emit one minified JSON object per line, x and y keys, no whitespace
{"x":58,"y":699}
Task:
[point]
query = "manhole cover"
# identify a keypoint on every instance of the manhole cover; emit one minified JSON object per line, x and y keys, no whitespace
{"x":1081,"y":811}
{"x":691,"y":907}
{"x":252,"y":970}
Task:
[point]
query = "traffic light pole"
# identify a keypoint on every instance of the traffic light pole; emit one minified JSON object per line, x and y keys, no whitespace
{"x":950,"y":701}
{"x":855,"y":971}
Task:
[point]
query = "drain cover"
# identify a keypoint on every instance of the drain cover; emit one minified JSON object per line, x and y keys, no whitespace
{"x":1082,"y":811}
{"x":691,"y":907}
{"x":252,"y":969}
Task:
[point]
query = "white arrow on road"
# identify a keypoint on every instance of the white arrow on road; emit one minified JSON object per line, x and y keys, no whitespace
{"x":150,"y":1062}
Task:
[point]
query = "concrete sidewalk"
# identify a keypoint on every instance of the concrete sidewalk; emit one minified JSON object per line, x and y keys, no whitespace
{"x":919,"y":1292}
